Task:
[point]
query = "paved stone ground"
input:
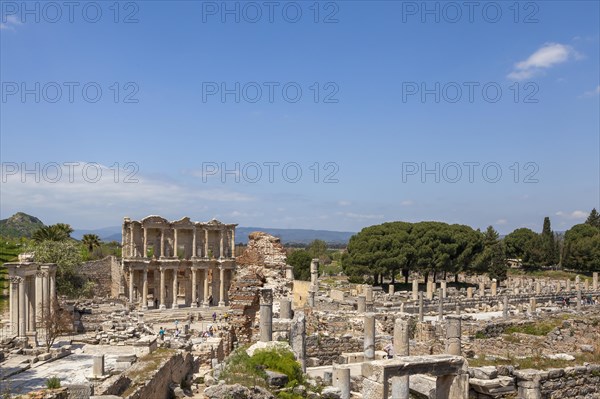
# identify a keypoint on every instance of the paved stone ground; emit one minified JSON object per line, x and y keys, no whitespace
{"x":72,"y":369}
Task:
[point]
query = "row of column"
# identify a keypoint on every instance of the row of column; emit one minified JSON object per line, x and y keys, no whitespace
{"x":30,"y":299}
{"x":133,"y":252}
{"x":204,"y":287}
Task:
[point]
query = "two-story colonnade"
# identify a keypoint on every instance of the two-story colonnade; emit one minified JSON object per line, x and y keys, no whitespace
{"x":167,"y":264}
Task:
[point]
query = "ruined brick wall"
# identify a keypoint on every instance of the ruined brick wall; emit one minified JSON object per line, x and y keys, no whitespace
{"x":300,"y":293}
{"x":101,"y":273}
{"x":328,"y":349}
{"x":571,"y":382}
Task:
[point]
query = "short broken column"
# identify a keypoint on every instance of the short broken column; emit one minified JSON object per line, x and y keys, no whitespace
{"x":369,"y":296}
{"x":494,"y":287}
{"x":458,"y":306}
{"x":341,"y":380}
{"x":532,"y":305}
{"x":311,"y":297}
{"x":453,"y":335}
{"x":429,"y":290}
{"x":538,"y":288}
{"x":285,"y":309}
{"x":444,"y":289}
{"x":391,"y":289}
{"x":361,"y":304}
{"x":586,"y":284}
{"x":481,"y":289}
{"x":505,"y":307}
{"x":266,"y":314}
{"x":298,"y":338}
{"x":369,"y":339}
{"x":595,"y":281}
{"x":579,"y":300}
{"x":470,"y":293}
{"x":98,"y":366}
{"x":568,"y":289}
{"x":314,"y":271}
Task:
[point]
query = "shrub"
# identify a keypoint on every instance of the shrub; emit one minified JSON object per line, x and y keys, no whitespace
{"x":280,"y":360}
{"x":53,"y":383}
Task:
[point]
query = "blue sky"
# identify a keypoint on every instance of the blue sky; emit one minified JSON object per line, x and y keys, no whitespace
{"x":388,"y":77}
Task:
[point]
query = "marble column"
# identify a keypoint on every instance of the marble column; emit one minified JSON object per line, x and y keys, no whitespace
{"x":206,"y":246}
{"x":285,"y":309}
{"x":444,"y":289}
{"x":145,"y":254}
{"x":595,"y":281}
{"x":145,"y":289}
{"x":162,"y":289}
{"x":39,"y":296}
{"x":162,"y":243}
{"x":221,"y":252}
{"x":131,"y":242}
{"x":421,"y":317}
{"x":221,"y":285}
{"x":14,"y":305}
{"x":194,"y":281}
{"x":175,"y":288}
{"x":361,"y":304}
{"x":266,"y":314}
{"x":175,"y":245}
{"x":369,"y":339}
{"x":400,"y":386}
{"x":194,"y":246}
{"x":131,"y":277}
{"x":52,"y":283}
{"x":341,"y":380}
{"x":22,"y":308}
{"x":206,"y":291}
{"x":453,"y":335}
{"x":233,"y":243}
{"x":31,"y":303}
{"x":415,"y":290}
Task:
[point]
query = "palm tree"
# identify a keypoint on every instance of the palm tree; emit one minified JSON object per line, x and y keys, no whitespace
{"x":50,"y":233}
{"x":66,"y":228}
{"x":91,"y":241}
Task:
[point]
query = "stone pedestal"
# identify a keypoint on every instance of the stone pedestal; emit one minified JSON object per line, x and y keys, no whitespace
{"x":532,"y":305}
{"x":361,"y":304}
{"x":98,"y":366}
{"x":494,"y":287}
{"x":453,"y":335}
{"x":595,"y":281}
{"x":415,"y":290}
{"x":285,"y":309}
{"x":341,"y":380}
{"x":391,"y":289}
{"x":470,"y":293}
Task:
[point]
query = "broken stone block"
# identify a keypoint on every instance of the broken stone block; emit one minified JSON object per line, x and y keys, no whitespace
{"x":276,"y":379}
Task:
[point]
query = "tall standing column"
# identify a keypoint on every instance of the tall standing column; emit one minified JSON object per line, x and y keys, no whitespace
{"x":131,"y":242}
{"x":206,"y":295}
{"x":415,"y":289}
{"x":206,"y":244}
{"x":52,"y":281}
{"x":39,"y":296}
{"x":421,"y":317}
{"x":369,"y":340}
{"x":145,"y":290}
{"x":162,"y":243}
{"x":194,"y":286}
{"x":505,"y":307}
{"x":221,"y":285}
{"x":14,"y":305}
{"x":444,"y":289}
{"x":175,"y":245}
{"x":22,"y":308}
{"x":145,"y":254}
{"x":233,"y":242}
{"x":440,"y":305}
{"x":221,"y":252}
{"x":175,"y":288}
{"x":194,"y":244}
{"x":266,"y":314}
{"x":31,"y":302}
{"x":131,"y":276}
{"x":162,"y":288}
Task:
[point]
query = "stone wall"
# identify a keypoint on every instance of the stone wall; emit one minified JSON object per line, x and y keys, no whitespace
{"x":329,"y":349}
{"x":300,"y":293}
{"x":570,"y":382}
{"x":101,"y":273}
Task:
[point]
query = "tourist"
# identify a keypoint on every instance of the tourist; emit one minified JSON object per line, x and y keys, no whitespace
{"x":389,"y":348}
{"x":161,"y":334}
{"x":214,"y":317}
{"x":177,"y":333}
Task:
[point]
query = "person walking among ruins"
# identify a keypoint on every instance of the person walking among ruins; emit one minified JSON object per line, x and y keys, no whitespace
{"x":161,"y":334}
{"x":214,"y":316}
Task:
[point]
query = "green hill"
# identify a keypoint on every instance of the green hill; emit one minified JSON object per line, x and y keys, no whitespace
{"x":19,"y":225}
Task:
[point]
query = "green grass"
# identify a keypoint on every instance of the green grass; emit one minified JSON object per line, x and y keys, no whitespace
{"x":536,"y":362}
{"x":540,"y":328}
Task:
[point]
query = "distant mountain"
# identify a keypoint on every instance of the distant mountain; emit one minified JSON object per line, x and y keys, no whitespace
{"x":299,"y":236}
{"x":20,"y":225}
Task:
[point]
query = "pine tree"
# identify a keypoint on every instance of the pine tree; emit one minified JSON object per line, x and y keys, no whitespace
{"x":594,"y":218}
{"x":549,"y":248}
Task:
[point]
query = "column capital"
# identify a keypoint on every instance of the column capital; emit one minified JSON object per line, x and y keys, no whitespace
{"x":16,"y":279}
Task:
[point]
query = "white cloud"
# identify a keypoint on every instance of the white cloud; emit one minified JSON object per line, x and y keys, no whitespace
{"x":84,"y":199}
{"x":10,"y":22}
{"x":501,"y":221}
{"x":353,"y":215}
{"x":344,"y":203}
{"x":592,"y":93}
{"x":572,"y":215}
{"x":547,"y":56}
{"x":407,"y":203}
